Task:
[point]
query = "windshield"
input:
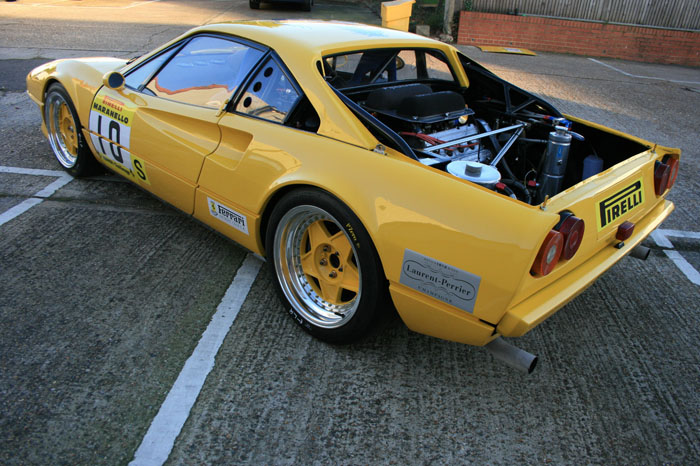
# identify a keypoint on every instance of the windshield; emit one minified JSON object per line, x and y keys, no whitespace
{"x":386,"y":65}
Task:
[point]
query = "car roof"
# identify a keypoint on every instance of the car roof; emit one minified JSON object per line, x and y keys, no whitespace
{"x":300,"y":43}
{"x":316,"y":37}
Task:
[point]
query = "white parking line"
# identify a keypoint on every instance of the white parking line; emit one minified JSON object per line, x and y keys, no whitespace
{"x":660,"y":237}
{"x":641,"y":77}
{"x":685,"y":267}
{"x":166,"y":426}
{"x":31,"y":171}
{"x":36,"y":199}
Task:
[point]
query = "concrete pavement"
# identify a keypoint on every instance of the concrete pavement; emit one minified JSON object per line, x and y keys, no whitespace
{"x":106,"y":292}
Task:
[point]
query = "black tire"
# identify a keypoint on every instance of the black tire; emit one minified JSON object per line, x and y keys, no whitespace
{"x":325,"y":267}
{"x":306,"y":5}
{"x":65,"y":133}
{"x":254,"y":4}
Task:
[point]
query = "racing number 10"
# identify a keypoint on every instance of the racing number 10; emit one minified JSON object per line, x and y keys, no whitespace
{"x":113,"y":129}
{"x":108,"y":131}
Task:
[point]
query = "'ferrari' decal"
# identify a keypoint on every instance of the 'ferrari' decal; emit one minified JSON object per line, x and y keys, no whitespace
{"x":439,"y":280}
{"x":228,"y":215}
{"x":620,"y":203}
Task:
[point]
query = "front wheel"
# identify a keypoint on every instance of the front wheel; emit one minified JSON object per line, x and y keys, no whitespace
{"x":65,"y":135}
{"x":326,"y":268}
{"x":254,"y":4}
{"x":306,"y":5}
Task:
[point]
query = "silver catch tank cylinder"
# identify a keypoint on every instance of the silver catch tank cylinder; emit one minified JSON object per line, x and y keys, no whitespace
{"x":554,"y":167}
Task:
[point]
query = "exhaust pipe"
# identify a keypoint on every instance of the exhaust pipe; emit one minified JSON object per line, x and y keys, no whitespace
{"x":512,"y":355}
{"x":640,"y":252}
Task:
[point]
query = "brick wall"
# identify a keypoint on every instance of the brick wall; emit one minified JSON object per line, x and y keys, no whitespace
{"x":580,"y":38}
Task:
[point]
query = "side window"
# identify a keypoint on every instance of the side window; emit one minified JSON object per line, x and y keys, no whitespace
{"x":270,"y":95}
{"x":346,"y":64}
{"x":437,"y":67}
{"x":369,"y":67}
{"x":385,"y":65}
{"x":408,"y":66}
{"x":204,"y":72}
{"x":137,"y":77}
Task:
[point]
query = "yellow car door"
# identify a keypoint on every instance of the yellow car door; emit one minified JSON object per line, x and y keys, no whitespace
{"x":159,"y":129}
{"x":257,"y":134}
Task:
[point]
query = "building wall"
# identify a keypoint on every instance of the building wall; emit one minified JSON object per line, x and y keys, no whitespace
{"x":675,"y":14}
{"x":644,"y":44}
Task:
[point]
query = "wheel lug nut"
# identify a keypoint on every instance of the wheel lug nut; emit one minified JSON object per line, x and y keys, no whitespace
{"x":324,"y":262}
{"x":333,"y":274}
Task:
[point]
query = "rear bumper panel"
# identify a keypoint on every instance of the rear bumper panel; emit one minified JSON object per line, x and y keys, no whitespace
{"x":428,"y":316}
{"x":532,"y":311}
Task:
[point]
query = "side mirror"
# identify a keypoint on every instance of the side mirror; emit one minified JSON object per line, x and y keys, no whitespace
{"x":114,"y":80}
{"x":400,"y":63}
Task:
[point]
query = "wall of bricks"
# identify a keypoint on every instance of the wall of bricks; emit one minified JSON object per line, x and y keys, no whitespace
{"x":580,"y":38}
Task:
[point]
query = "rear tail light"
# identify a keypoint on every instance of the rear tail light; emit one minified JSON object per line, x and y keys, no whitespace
{"x":661,"y":177}
{"x":549,"y":253}
{"x":561,"y":243}
{"x":572,"y":228}
{"x":674,"y":164}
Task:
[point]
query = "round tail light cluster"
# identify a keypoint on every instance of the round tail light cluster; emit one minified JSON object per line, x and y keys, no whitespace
{"x":549,"y":253}
{"x":561,"y":243}
{"x":572,"y":228}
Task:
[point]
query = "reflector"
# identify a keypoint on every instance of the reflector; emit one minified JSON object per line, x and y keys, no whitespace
{"x":624,"y":231}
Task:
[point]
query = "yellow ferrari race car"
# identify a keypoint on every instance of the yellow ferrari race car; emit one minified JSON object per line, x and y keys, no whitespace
{"x":370,"y":167}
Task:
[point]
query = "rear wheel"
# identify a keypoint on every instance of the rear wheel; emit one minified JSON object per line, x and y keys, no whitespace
{"x":65,"y":135}
{"x":254,"y":4}
{"x":306,"y":5}
{"x":326,"y":268}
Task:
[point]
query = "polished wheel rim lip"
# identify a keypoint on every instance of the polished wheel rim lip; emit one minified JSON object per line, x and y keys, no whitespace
{"x":62,"y":129}
{"x":304,"y":295}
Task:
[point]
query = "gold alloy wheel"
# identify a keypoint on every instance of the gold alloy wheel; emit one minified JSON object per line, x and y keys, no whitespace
{"x":69,"y":134}
{"x":328,"y":262}
{"x":317,"y":266}
{"x":62,"y":129}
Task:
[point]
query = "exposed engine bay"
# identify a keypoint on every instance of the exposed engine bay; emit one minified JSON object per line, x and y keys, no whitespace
{"x":492,"y":133}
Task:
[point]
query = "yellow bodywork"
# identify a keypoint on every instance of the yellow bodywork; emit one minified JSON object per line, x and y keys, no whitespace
{"x":513,"y":50}
{"x":228,"y":170}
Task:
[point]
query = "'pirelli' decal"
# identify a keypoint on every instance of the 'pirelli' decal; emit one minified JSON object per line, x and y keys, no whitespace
{"x":622,"y":202}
